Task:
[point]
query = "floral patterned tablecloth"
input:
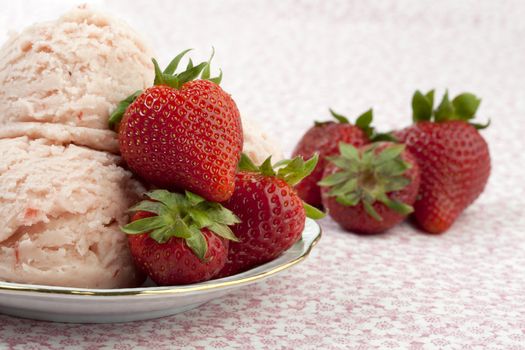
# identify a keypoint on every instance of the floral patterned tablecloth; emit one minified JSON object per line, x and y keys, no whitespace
{"x":285,"y":63}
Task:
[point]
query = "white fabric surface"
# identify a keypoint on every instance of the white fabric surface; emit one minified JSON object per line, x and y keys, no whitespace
{"x":285,"y":63}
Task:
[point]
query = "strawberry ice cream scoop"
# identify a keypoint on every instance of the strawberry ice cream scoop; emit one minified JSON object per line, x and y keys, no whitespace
{"x":61,"y":79}
{"x":61,"y":208}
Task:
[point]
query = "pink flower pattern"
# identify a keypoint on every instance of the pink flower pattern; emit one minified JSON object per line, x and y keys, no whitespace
{"x":403,"y":289}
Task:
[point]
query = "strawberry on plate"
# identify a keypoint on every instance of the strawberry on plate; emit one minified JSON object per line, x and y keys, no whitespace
{"x":183,"y":133}
{"x":272,"y":214}
{"x":323,"y":139}
{"x":370,"y":189}
{"x":453,"y":157}
{"x":179,"y":238}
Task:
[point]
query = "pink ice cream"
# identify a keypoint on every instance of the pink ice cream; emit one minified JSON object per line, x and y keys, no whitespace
{"x":60,"y":209}
{"x":61,"y":204}
{"x":61,"y":79}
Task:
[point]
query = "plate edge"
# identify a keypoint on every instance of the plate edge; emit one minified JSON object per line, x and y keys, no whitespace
{"x":177,"y":289}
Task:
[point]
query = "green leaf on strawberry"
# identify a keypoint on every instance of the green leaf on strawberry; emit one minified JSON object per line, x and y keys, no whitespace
{"x":292,"y":171}
{"x":146,"y":224}
{"x":172,"y":66}
{"x":339,"y":117}
{"x":422,"y":106}
{"x":480,"y":126}
{"x":363,"y":122}
{"x":466,"y":105}
{"x":462,"y":107}
{"x":206,"y":72}
{"x":297,"y":169}
{"x":312,"y":212}
{"x":183,"y":216}
{"x":118,"y":113}
{"x":367,"y":176}
{"x":445,"y":110}
{"x":197,"y":243}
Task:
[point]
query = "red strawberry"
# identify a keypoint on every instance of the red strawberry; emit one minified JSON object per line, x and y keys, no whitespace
{"x":179,"y":239}
{"x":370,"y":189}
{"x":323,"y":139}
{"x":182,"y":133}
{"x":453,"y":157}
{"x":271,"y":213}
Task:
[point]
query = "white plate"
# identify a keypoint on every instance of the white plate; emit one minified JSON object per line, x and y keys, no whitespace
{"x":61,"y":304}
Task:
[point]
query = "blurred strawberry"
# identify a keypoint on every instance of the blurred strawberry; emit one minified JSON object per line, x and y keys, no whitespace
{"x":323,"y":139}
{"x":370,"y":189}
{"x":453,"y":157}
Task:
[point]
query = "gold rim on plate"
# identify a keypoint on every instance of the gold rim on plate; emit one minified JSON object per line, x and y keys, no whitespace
{"x":173,"y":290}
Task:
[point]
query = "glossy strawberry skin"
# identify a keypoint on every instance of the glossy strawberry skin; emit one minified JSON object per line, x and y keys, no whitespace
{"x":455,"y":167}
{"x":356,"y":219}
{"x":324,"y":140}
{"x":189,"y":138}
{"x":173,"y":262}
{"x":272,"y":220}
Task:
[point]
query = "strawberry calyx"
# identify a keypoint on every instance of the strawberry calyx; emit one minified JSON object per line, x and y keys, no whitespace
{"x":462,"y":107}
{"x":176,"y":80}
{"x":368,"y":176}
{"x":183,"y":216}
{"x":118,"y":113}
{"x":363,"y":122}
{"x":341,"y":119}
{"x":169,"y":78}
{"x":292,"y":171}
